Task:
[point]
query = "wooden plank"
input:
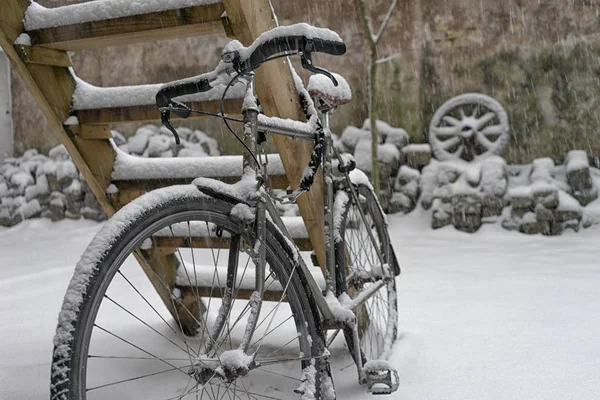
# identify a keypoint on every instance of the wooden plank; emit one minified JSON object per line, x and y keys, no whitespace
{"x":151,"y":113}
{"x":214,"y":243}
{"x":52,"y":87}
{"x":278,"y":97}
{"x":170,"y":24}
{"x":44,"y":56}
{"x":92,"y":131}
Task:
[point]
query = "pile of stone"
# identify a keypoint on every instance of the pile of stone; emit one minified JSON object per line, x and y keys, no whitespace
{"x":549,"y":198}
{"x":36,"y":185}
{"x":464,"y":194}
{"x":358,"y":142}
{"x":154,"y":141}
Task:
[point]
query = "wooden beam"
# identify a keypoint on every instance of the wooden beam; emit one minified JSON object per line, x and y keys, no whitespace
{"x":278,"y":97}
{"x":92,"y":131}
{"x":52,"y":87}
{"x":150,"y":112}
{"x":170,"y":24}
{"x":44,"y":56}
{"x":213,"y":243}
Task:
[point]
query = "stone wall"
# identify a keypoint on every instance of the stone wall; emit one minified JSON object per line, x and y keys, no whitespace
{"x":539,"y":59}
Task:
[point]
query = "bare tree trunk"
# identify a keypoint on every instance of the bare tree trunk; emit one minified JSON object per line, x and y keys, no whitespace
{"x":373,"y":118}
{"x":372,"y":39}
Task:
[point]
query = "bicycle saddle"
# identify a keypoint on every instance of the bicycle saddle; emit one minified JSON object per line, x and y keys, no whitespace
{"x":320,"y":86}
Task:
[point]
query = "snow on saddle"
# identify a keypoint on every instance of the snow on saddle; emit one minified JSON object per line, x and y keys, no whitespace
{"x":320,"y":86}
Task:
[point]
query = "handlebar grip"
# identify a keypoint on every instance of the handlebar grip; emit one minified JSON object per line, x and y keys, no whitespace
{"x":284,"y":44}
{"x":180,"y":88}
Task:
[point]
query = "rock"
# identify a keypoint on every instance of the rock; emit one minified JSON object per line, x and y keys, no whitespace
{"x":57,"y":206}
{"x":416,"y":155}
{"x":568,"y":208}
{"x":400,"y":203}
{"x":466,"y":213}
{"x":535,"y":227}
{"x":90,"y":213}
{"x":571,"y":224}
{"x":579,"y":178}
{"x":5,"y":219}
{"x":66,"y":172}
{"x":53,"y":184}
{"x":59,"y":153}
{"x":442,"y":214}
{"x":396,"y":136}
{"x":429,"y":183}
{"x":408,"y":183}
{"x":518,"y":212}
{"x":72,"y":215}
{"x":521,"y":197}
{"x":545,"y":194}
{"x":494,"y":177}
{"x":30,"y":209}
{"x":31,"y":192}
{"x":492,"y":206}
{"x":543,"y":214}
{"x":42,"y":185}
{"x":90,"y":200}
{"x":541,"y":170}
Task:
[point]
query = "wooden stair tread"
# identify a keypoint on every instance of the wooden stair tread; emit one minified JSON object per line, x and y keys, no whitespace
{"x":105,"y":23}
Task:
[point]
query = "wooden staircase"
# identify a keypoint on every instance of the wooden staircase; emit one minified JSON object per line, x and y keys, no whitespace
{"x":44,"y":66}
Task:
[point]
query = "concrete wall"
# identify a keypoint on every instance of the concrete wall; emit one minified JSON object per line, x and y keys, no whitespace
{"x":539,"y":58}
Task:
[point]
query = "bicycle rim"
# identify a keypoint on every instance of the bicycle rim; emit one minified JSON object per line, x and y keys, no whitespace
{"x":126,"y":343}
{"x":363,"y":256}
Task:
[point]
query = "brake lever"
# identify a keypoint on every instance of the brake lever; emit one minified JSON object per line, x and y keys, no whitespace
{"x":307,"y":63}
{"x":165,"y":118}
{"x":181,"y":109}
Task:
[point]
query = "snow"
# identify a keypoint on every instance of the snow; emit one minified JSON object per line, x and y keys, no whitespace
{"x":89,"y":97}
{"x":128,"y":167}
{"x":321,"y":85}
{"x":39,"y":17}
{"x":495,"y":315}
{"x":23,"y":39}
{"x":301,"y":29}
{"x":576,"y":160}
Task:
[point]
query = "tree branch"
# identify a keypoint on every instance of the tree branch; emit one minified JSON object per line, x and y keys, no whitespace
{"x":385,"y":22}
{"x":388,"y":58}
{"x":360,"y":4}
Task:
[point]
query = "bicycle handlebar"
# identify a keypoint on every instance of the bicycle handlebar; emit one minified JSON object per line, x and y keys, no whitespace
{"x":299,"y":38}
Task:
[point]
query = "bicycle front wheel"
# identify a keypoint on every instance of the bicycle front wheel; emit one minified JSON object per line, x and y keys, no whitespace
{"x":365,"y":262}
{"x":172,"y":329}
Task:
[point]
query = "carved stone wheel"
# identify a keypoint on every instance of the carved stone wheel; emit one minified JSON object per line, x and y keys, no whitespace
{"x":471,"y":126}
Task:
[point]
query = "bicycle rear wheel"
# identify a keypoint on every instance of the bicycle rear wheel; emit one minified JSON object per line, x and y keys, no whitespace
{"x":365,"y":260}
{"x":119,"y":336}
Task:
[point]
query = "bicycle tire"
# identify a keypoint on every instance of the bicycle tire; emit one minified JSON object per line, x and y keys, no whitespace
{"x":103,"y":265}
{"x":357,"y":263}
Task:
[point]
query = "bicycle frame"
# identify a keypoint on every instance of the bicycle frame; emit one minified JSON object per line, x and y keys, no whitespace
{"x":265,"y":207}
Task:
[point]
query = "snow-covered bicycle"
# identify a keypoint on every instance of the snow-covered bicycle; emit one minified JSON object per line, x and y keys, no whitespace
{"x":224,"y":306}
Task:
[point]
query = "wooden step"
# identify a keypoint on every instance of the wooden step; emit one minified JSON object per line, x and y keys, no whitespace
{"x":198,"y":235}
{"x":134,"y":176}
{"x":136,"y":103}
{"x":73,"y":28}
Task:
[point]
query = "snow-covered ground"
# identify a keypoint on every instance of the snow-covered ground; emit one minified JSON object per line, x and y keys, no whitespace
{"x":494,"y":315}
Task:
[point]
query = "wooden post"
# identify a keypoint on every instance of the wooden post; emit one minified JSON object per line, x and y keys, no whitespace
{"x":278,"y":97}
{"x":52,"y":87}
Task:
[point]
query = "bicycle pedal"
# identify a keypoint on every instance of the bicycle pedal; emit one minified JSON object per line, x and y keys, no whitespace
{"x":381,"y":378}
